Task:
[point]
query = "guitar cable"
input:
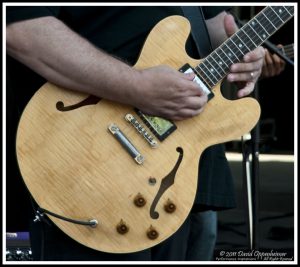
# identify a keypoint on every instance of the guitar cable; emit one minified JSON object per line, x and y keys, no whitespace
{"x":40,"y":216}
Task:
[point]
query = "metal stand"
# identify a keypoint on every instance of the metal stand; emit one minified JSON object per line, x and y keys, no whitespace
{"x":250,"y":147}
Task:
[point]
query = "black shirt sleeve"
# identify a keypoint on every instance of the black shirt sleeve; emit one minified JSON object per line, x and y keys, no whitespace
{"x":18,"y":13}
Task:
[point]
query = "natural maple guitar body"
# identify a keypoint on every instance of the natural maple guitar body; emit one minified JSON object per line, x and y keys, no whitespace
{"x":74,"y":167}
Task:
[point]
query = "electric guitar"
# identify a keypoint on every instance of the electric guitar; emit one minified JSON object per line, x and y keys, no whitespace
{"x":115,"y":179}
{"x":288,"y":50}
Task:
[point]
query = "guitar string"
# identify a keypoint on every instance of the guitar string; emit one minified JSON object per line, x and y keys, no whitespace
{"x":233,"y":50}
{"x":288,"y":50}
{"x":266,"y":28}
{"x":244,"y":42}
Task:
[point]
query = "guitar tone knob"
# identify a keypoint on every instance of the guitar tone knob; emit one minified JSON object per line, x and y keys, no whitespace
{"x":139,"y":201}
{"x":122,"y":228}
{"x":170,"y":207}
{"x":152,"y":233}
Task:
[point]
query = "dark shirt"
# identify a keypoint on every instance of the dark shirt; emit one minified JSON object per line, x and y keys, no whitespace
{"x":120,"y":31}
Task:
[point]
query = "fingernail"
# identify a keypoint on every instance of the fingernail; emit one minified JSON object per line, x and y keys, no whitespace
{"x":230,"y":78}
{"x":190,"y":75}
{"x":246,"y":58}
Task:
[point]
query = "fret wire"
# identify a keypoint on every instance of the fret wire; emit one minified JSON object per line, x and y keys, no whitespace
{"x":287,"y":11}
{"x":210,"y":77}
{"x":220,"y":62}
{"x":242,"y":46}
{"x":276,"y":14}
{"x":292,"y":10}
{"x":226,"y":55}
{"x":270,"y":16}
{"x":263,"y":27}
{"x":203,"y":78}
{"x":282,"y":12}
{"x":212,"y":71}
{"x":224,"y":72}
{"x":231,"y":51}
{"x":252,"y":24}
{"x":248,"y":37}
{"x":261,"y":32}
{"x":255,"y":38}
{"x":243,"y":43}
{"x":279,"y":13}
{"x":211,"y":56}
{"x":284,"y":15}
{"x":265,"y":22}
{"x":274,"y":17}
{"x":269,"y":20}
{"x":257,"y":31}
{"x":198,"y":70}
{"x":206,"y":76}
{"x":231,"y":39}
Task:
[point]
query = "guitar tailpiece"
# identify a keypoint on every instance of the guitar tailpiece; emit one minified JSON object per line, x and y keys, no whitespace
{"x":40,"y":217}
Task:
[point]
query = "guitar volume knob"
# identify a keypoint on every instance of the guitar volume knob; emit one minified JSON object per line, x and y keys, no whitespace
{"x":170,"y":207}
{"x":122,"y":228}
{"x":152,"y":233}
{"x":139,"y":200}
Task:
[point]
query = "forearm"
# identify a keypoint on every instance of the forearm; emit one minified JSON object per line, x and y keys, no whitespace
{"x":62,"y":57}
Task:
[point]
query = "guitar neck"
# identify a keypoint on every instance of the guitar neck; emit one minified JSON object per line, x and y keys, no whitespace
{"x":288,"y":50}
{"x":216,"y":65}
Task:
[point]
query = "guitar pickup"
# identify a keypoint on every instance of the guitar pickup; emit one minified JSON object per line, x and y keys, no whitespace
{"x":188,"y":69}
{"x":124,"y":141}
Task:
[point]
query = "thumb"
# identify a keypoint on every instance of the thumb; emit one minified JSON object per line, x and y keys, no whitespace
{"x":229,"y":25}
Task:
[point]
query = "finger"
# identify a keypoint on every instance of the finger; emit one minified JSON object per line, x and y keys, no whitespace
{"x":256,"y":54}
{"x":246,"y":90}
{"x":246,"y":67}
{"x":265,"y":70}
{"x":188,"y":76}
{"x":229,"y":25}
{"x":192,"y":89}
{"x":278,"y":64}
{"x":268,"y":59}
{"x":194,"y":103}
{"x":243,"y":77}
{"x":270,"y":64}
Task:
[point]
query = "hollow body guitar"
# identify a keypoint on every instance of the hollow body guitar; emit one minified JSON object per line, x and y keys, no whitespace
{"x":87,"y":158}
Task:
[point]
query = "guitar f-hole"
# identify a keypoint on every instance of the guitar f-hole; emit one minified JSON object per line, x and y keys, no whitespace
{"x":166,"y":182}
{"x":90,"y":100}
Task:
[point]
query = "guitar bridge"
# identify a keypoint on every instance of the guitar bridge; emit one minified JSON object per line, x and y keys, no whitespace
{"x":142,"y":131}
{"x":124,"y":141}
{"x":160,"y":127}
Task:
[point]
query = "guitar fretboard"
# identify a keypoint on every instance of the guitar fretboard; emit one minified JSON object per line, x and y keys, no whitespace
{"x":216,"y":65}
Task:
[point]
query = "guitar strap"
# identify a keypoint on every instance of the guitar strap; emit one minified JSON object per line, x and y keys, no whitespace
{"x":198,"y":29}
